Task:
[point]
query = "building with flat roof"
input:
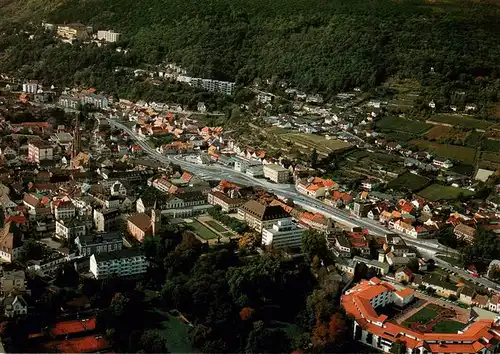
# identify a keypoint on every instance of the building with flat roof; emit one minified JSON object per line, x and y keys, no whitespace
{"x":284,"y":233}
{"x":126,"y":262}
{"x":99,"y":243}
{"x":108,"y":36}
{"x":276,"y":173}
{"x":380,"y":332}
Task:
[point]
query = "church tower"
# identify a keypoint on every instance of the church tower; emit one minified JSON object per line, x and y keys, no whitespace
{"x":155,"y":220}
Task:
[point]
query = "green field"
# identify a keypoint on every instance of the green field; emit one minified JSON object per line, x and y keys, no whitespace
{"x":491,"y":156}
{"x":403,"y":125}
{"x":423,"y":316}
{"x":398,"y":136}
{"x":202,"y":231}
{"x":473,"y":139}
{"x":436,"y":192}
{"x":176,"y":335}
{"x":490,"y":145}
{"x":448,"y":326}
{"x":447,"y":151}
{"x":408,"y":181}
{"x":216,"y":226}
{"x":318,"y":142}
{"x":461,"y":120}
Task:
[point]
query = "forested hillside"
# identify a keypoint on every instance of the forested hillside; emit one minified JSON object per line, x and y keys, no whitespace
{"x":320,"y":45}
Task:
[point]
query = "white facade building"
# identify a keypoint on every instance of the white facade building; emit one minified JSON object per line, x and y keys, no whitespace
{"x":284,"y":233}
{"x":126,"y":262}
{"x":276,"y":173}
{"x":108,"y":36}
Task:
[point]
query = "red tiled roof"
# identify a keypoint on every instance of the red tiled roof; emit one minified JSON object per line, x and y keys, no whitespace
{"x":86,"y":344}
{"x":75,"y":326}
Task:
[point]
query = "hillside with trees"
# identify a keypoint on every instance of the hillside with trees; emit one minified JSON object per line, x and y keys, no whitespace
{"x":318,"y":46}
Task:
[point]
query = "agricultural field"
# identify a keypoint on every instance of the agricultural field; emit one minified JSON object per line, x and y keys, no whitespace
{"x":398,"y":136}
{"x":437,"y":192}
{"x":461,"y":120}
{"x":318,"y":142}
{"x":490,"y":145}
{"x":491,"y":156}
{"x":403,"y":125}
{"x":446,"y":134}
{"x":473,"y":139}
{"x":408,"y":181}
{"x":447,"y":151}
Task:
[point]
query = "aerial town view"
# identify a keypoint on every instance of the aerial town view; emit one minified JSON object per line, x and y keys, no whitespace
{"x":250,"y":177}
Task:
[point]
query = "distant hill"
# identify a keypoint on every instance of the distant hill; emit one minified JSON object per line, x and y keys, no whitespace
{"x":319,"y":45}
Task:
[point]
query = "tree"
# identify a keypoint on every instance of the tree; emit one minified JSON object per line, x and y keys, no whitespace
{"x":398,"y":347}
{"x":153,"y":342}
{"x":246,"y":313}
{"x":32,"y":250}
{"x":265,"y":340}
{"x":413,"y":265}
{"x":314,"y":158}
{"x":314,"y":244}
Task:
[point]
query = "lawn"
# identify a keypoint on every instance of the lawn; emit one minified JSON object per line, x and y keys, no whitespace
{"x":423,"y":316}
{"x":216,"y":226}
{"x":408,"y":181}
{"x":436,"y":192}
{"x":438,"y":131}
{"x":318,"y":142}
{"x":448,"y":326}
{"x":176,"y":334}
{"x":447,"y":151}
{"x":403,"y":125}
{"x":202,"y":231}
{"x":461,"y":120}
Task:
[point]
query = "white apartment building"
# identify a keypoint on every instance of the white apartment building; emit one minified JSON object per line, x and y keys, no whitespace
{"x":108,"y":36}
{"x":276,"y":173}
{"x":225,"y":87}
{"x":70,"y":229}
{"x":284,"y":233}
{"x":30,"y":87}
{"x":126,"y":262}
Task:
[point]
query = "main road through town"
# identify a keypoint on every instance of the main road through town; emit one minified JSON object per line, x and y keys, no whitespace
{"x":217,"y":171}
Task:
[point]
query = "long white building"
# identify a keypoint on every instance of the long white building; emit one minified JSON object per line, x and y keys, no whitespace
{"x":284,"y":233}
{"x":129,"y":261}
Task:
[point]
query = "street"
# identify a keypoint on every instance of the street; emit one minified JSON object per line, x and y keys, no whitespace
{"x":427,"y":248}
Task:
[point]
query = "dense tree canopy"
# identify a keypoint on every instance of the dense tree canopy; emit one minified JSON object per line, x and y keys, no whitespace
{"x":319,"y":46}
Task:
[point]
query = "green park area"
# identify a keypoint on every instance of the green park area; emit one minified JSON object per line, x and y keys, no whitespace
{"x":425,"y":315}
{"x":436,"y":192}
{"x":448,"y":326}
{"x":202,"y":231}
{"x":216,"y":226}
{"x":318,"y":142}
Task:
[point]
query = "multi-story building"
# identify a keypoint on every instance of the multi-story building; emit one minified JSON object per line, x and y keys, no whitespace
{"x":39,"y":151}
{"x":225,"y":87}
{"x":260,"y":216}
{"x":228,"y":204}
{"x":11,"y":242}
{"x":442,"y":287}
{"x":69,"y":229}
{"x":378,"y":331}
{"x":284,"y":233}
{"x":465,"y":232}
{"x":108,"y":36}
{"x":126,"y":262}
{"x":276,"y":173}
{"x":74,"y":31}
{"x":15,"y":306}
{"x":105,"y":219}
{"x":99,"y":243}
{"x":69,"y":102}
{"x":31,"y":87}
{"x":98,"y":101}
{"x":13,"y":281}
{"x":64,"y":209}
{"x":413,"y":231}
{"x":361,"y":208}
